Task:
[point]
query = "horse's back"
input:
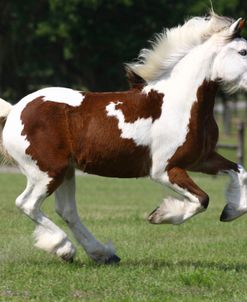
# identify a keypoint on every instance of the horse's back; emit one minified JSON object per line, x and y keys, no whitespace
{"x":57,"y":125}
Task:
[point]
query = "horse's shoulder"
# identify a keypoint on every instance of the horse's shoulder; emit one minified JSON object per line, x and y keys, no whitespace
{"x":141,"y":105}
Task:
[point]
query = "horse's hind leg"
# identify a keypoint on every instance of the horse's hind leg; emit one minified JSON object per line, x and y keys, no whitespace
{"x":177,"y":211}
{"x":49,"y":237}
{"x":66,"y":208}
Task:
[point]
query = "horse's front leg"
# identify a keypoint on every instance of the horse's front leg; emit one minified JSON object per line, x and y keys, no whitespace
{"x":177,"y":211}
{"x":236,"y":193}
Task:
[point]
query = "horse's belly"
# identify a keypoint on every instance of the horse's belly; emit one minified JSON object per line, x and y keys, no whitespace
{"x":127,"y":162}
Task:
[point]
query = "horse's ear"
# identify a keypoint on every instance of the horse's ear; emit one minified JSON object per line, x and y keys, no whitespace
{"x":237,"y":27}
{"x":242,"y":24}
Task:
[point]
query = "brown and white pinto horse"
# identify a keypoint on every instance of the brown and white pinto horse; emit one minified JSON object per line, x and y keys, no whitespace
{"x":161,"y":127}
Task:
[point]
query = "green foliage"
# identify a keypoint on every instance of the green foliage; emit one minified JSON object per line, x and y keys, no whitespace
{"x":84,"y":43}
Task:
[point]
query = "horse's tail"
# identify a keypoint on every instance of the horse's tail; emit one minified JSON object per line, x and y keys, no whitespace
{"x":5,"y":109}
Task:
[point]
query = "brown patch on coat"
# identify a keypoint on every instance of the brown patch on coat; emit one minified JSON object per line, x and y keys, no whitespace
{"x":146,"y":106}
{"x":198,"y":151}
{"x":203,"y":131}
{"x":180,"y":177}
{"x":59,"y":133}
{"x":214,"y":164}
{"x":46,"y":129}
{"x":98,"y":147}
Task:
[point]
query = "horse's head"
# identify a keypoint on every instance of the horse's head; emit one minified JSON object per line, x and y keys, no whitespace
{"x":230,"y":64}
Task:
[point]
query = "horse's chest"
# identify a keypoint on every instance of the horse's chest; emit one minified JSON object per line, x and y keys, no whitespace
{"x":202,"y":135}
{"x":200,"y":140}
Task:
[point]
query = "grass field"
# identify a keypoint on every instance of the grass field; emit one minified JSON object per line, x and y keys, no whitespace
{"x":232,"y":139}
{"x":201,"y":260}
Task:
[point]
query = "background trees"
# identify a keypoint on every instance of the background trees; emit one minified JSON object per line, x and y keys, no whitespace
{"x":84,"y":43}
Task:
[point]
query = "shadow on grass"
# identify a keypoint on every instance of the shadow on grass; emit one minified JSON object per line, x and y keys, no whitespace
{"x":145,"y":263}
{"x":159,"y":263}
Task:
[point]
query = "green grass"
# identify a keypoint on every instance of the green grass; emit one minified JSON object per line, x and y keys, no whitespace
{"x":232,"y":139}
{"x":201,"y":260}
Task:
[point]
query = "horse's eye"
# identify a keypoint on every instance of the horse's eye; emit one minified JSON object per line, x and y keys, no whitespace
{"x":243,"y":52}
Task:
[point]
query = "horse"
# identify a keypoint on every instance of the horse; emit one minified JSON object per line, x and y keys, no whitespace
{"x":162,"y":127}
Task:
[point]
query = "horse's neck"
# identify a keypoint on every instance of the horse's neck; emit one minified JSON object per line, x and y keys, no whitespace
{"x":180,"y":87}
{"x":206,"y":97}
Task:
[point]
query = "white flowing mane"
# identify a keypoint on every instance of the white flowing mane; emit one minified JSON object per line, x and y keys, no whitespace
{"x":173,"y":44}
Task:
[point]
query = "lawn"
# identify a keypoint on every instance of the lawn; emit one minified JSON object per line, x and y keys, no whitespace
{"x":232,"y":139}
{"x":201,"y":260}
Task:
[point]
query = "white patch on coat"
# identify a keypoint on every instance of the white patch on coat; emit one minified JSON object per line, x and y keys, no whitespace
{"x":139,"y":131}
{"x":56,"y":94}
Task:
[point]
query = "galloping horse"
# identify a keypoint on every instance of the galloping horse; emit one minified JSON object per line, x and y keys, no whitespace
{"x":161,"y":127}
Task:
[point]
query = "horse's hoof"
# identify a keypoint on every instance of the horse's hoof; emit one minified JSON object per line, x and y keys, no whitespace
{"x":114,"y":259}
{"x":68,"y":258}
{"x":229,"y":213}
{"x":152,"y":217}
